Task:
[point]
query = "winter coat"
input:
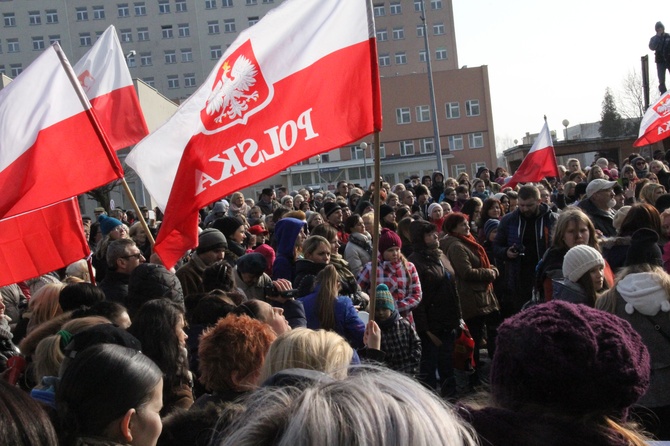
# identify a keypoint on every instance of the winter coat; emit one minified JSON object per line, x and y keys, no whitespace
{"x":401,"y":344}
{"x":615,"y":250}
{"x":305,"y":275}
{"x":602,"y":220}
{"x":286,"y":234}
{"x":190,"y":275}
{"x":358,"y":252}
{"x":347,"y":323}
{"x":115,"y":286}
{"x":569,"y":291}
{"x":473,"y":282}
{"x":151,"y":281}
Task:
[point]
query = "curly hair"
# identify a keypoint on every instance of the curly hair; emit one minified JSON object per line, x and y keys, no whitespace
{"x":235,"y":344}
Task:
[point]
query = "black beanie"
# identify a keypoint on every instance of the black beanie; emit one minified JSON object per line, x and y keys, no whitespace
{"x":252,"y":263}
{"x":384,"y":210}
{"x":644,"y":248}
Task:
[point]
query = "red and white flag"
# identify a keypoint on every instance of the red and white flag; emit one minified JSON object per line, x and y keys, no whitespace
{"x":49,"y":147}
{"x":105,"y":78}
{"x":655,"y":124}
{"x":41,"y":241}
{"x":302,"y":81}
{"x":539,"y":163}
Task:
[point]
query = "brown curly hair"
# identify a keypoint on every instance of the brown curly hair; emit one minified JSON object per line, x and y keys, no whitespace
{"x":235,"y":344}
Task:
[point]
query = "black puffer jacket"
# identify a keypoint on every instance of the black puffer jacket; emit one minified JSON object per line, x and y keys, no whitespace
{"x":151,"y":281}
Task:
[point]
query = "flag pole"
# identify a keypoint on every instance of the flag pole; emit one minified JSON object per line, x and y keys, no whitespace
{"x":111,"y":156}
{"x":375,"y":229}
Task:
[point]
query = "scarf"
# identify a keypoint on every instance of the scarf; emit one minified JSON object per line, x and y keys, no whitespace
{"x":475,"y":247}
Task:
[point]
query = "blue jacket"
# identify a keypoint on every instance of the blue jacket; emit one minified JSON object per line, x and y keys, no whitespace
{"x":347,"y":323}
{"x":286,"y":233}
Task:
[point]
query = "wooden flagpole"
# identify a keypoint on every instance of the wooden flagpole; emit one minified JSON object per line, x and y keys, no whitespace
{"x":375,"y":235}
{"x":101,"y":135}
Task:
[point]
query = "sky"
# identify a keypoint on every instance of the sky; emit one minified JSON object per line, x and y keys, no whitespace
{"x":555,"y":58}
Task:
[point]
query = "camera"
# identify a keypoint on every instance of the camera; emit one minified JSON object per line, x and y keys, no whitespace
{"x":271,"y":290}
{"x":520,"y":249}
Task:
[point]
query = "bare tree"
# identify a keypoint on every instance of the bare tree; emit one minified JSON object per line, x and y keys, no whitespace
{"x":630,"y":97}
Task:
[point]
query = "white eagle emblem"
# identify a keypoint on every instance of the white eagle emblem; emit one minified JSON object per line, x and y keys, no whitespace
{"x":230,"y":95}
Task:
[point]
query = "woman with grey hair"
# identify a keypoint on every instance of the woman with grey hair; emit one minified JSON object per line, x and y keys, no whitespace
{"x":370,"y":407}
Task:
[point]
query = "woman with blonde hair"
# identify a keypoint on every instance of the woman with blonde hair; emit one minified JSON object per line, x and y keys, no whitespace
{"x":79,"y":269}
{"x":661,"y":170}
{"x":238,"y":206}
{"x":319,"y":350}
{"x":650,"y":193}
{"x":44,"y":305}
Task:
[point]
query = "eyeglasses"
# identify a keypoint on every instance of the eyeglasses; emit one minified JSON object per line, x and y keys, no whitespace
{"x":138,"y":256}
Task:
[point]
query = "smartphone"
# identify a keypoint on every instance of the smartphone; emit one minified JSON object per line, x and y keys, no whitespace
{"x":625,"y":182}
{"x":152,"y":215}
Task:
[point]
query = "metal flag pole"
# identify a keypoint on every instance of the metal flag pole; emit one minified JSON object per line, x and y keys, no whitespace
{"x":377,"y":182}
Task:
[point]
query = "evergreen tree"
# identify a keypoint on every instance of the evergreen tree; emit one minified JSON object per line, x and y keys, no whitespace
{"x":611,"y":124}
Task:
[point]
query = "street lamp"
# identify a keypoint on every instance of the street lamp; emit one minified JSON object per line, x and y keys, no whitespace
{"x":566,"y":123}
{"x":364,"y":147}
{"x":318,"y":162}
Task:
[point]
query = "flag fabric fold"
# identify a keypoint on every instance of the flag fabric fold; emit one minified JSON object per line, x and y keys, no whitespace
{"x":540,"y":162}
{"x":41,"y":241}
{"x":301,"y":82}
{"x":655,"y":123}
{"x":104,"y":76}
{"x":49,"y":147}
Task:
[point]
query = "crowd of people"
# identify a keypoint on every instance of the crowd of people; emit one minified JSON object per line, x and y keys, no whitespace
{"x":534,"y":315}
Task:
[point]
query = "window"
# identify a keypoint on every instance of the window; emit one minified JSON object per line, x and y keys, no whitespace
{"x":402,"y":115}
{"x":226,"y":3}
{"x":438,"y":28}
{"x":384,"y":60}
{"x":357,"y":153}
{"x":229,"y":25}
{"x":427,"y":146}
{"x":126,"y":35}
{"x":475,"y":167}
{"x":422,"y":56}
{"x":400,"y":58}
{"x":180,"y":6}
{"x":396,"y":8}
{"x":173,"y":81}
{"x":170,"y":56}
{"x":406,"y":148}
{"x":417,"y":6}
{"x":142,"y":34}
{"x":150,"y":81}
{"x":456,"y":142}
{"x":472,"y":107}
{"x":476,"y":140}
{"x":15,"y":69}
{"x":13,"y":46}
{"x":382,"y":151}
{"x":38,"y":43}
{"x":187,"y":55}
{"x":98,"y":13}
{"x":163,"y":7}
{"x":382,"y":35}
{"x":184,"y":30}
{"x":140,"y":8}
{"x":213,"y":27}
{"x":265,"y":2}
{"x":252,"y":2}
{"x":53,"y":39}
{"x":34,"y":18}
{"x":145,"y":59}
{"x":458,"y":169}
{"x":85,"y":39}
{"x":10,"y":19}
{"x":98,"y":34}
{"x":210,"y":4}
{"x":2,"y":69}
{"x":419,"y":30}
{"x":189,"y":80}
{"x":167,"y":32}
{"x":422,"y":113}
{"x":122,"y":10}
{"x":82,"y":14}
{"x":52,"y":16}
{"x":453,"y":110}
{"x":131,"y":61}
{"x":436,"y":4}
{"x":441,"y":54}
{"x":253,"y":20}
{"x":215,"y":52}
{"x":398,"y":33}
{"x":379,"y":10}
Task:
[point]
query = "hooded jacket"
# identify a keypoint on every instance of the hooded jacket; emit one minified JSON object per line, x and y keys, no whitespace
{"x":286,"y":234}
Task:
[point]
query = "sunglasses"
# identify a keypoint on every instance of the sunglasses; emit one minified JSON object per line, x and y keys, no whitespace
{"x":138,"y":255}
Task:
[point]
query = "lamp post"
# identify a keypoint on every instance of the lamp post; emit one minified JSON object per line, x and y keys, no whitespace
{"x":364,"y":147}
{"x":318,"y":162}
{"x":566,"y":123}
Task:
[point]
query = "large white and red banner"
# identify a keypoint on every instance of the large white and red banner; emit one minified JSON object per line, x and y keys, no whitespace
{"x":41,"y":241}
{"x":655,"y":124}
{"x":302,"y":81}
{"x":104,"y":76}
{"x":50,"y":149}
{"x":540,"y":161}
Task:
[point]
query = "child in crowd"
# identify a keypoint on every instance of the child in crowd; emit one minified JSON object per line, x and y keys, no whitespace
{"x":583,"y":271}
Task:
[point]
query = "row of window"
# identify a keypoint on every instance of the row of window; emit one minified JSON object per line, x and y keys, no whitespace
{"x":427,"y":145}
{"x":211,"y":4}
{"x":34,"y":17}
{"x":457,"y":169}
{"x":403,"y":115}
{"x":39,"y":43}
{"x":398,"y":32}
{"x":395,"y":7}
{"x":400,"y":57}
{"x":173,"y":81}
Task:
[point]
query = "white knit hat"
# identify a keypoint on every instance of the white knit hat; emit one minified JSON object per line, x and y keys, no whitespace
{"x":579,"y":260}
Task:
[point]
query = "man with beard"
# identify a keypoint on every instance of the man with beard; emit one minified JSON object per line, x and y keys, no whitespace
{"x":439,"y":313}
{"x":598,"y":205}
{"x":523,"y":237}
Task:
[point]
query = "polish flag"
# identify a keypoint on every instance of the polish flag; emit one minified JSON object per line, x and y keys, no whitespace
{"x":105,"y":78}
{"x":302,"y":81}
{"x":655,"y":123}
{"x":50,"y":149}
{"x":539,"y":163}
{"x":41,"y":241}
